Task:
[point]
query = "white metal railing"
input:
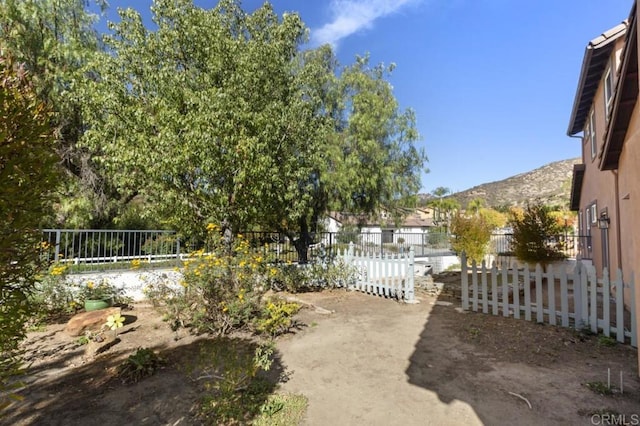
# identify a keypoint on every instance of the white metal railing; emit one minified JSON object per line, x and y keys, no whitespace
{"x":104,"y":246}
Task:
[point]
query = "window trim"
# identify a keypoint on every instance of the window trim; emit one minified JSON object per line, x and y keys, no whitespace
{"x":608,"y":90}
{"x":593,"y":208}
{"x":592,"y":134}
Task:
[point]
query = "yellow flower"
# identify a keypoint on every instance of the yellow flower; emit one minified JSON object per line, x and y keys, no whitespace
{"x":90,"y":285}
{"x":115,"y":321}
{"x":212,"y":227}
{"x":58,"y":270}
{"x":135,"y":263}
{"x":273,"y":272}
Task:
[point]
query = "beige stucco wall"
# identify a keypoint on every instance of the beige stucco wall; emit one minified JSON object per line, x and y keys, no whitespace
{"x":629,"y":193}
{"x":599,"y":186}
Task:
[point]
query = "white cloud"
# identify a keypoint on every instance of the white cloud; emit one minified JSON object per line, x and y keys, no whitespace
{"x":351,"y":16}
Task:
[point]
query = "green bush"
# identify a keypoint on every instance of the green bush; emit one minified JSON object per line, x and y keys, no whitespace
{"x":27,"y":168}
{"x":221,"y":291}
{"x":532,"y":230}
{"x":234,"y":392}
{"x":470,"y":235}
{"x":143,"y":363}
{"x":276,"y":317}
{"x":311,"y":277}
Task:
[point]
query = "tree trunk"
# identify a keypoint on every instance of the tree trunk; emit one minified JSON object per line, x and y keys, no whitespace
{"x":302,"y":243}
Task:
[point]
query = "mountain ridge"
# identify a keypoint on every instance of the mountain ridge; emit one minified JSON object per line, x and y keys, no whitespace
{"x":549,"y":184}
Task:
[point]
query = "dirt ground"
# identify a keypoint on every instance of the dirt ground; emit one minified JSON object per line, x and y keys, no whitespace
{"x":371,"y":361}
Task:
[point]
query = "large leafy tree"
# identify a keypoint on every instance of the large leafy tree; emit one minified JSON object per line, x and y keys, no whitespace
{"x":216,"y":115}
{"x":200,"y":116}
{"x":54,"y":40}
{"x":26,"y":172}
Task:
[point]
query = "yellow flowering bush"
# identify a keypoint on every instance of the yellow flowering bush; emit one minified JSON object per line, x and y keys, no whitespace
{"x":277,"y":317}
{"x":222,"y":287}
{"x":52,"y":296}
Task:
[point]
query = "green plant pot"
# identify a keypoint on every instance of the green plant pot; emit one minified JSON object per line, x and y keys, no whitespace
{"x":94,"y":305}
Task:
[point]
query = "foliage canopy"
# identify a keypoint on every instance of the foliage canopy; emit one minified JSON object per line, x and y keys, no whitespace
{"x":533,"y":234}
{"x":26,"y":173}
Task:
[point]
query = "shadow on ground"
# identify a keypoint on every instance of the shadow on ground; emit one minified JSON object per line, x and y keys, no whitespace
{"x":498,"y":366}
{"x":93,"y":394}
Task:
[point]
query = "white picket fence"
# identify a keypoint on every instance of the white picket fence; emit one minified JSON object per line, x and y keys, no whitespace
{"x":389,"y":275}
{"x":558,"y":297}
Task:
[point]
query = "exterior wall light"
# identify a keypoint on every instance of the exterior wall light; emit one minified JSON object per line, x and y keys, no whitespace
{"x":603,"y":221}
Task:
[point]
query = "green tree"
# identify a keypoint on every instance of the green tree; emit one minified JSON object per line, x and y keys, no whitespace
{"x":218,"y":116}
{"x":367,"y":155}
{"x":444,"y":208}
{"x":26,"y":173}
{"x":470,"y":235}
{"x":475,"y":205}
{"x":531,"y":234}
{"x":493,"y":218}
{"x":55,"y":39}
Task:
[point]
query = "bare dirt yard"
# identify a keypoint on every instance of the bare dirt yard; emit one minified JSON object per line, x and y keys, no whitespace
{"x":370,"y":361}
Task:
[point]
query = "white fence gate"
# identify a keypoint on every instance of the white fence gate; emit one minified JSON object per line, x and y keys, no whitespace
{"x":575,"y":299}
{"x":389,"y":275}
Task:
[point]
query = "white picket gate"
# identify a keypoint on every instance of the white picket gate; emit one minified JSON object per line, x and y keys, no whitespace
{"x":389,"y":275}
{"x":575,"y":299}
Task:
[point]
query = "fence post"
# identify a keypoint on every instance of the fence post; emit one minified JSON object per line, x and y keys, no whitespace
{"x":577,"y":296}
{"x":178,"y":249}
{"x":409,"y":280}
{"x":56,"y":255}
{"x":465,"y":281}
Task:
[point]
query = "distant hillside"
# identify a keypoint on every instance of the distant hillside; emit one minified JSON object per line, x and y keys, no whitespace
{"x":550,"y":184}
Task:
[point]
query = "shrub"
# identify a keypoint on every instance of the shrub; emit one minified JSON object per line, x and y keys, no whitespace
{"x":470,"y":235}
{"x":234,"y":392}
{"x":532,"y":230}
{"x":221,"y":290}
{"x":27,"y":164}
{"x":276,"y":317}
{"x":52,"y":296}
{"x":143,"y":363}
{"x":313,"y":276}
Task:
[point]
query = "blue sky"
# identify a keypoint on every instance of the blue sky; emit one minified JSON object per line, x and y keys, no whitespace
{"x":492,"y":82}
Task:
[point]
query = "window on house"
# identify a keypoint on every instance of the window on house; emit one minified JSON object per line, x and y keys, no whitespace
{"x":592,"y":134}
{"x":580,"y":223}
{"x":593,"y":214}
{"x":608,"y":90}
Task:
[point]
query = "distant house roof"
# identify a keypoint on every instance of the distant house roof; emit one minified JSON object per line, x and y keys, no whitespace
{"x":594,"y":62}
{"x":624,"y":99}
{"x":416,"y":218}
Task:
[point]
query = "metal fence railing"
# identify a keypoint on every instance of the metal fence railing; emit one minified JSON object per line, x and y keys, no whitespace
{"x":277,"y":247}
{"x":117,"y":248}
{"x":99,"y":249}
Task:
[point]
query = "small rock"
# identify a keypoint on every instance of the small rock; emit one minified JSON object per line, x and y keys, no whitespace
{"x":95,"y":347}
{"x":443,"y":303}
{"x":89,"y":321}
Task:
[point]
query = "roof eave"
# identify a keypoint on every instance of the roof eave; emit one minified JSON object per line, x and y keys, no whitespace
{"x":624,"y":101}
{"x":595,"y":56}
{"x":576,"y":186}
